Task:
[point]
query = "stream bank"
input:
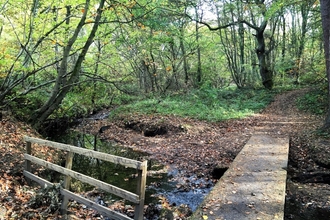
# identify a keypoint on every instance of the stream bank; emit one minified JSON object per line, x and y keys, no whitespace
{"x":166,"y":187}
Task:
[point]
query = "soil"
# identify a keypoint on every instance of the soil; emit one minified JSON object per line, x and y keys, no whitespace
{"x":196,"y":149}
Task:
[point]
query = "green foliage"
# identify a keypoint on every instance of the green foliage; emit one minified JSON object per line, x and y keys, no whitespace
{"x":205,"y":104}
{"x":79,"y":102}
{"x":84,"y":100}
{"x":138,"y":49}
{"x":314,"y":101}
{"x":93,"y":99}
{"x":23,"y":107}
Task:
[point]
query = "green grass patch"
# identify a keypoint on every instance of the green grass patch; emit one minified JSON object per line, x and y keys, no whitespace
{"x":315,"y":101}
{"x":204,"y":104}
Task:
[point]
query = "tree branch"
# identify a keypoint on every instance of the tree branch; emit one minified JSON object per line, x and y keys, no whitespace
{"x":210,"y":27}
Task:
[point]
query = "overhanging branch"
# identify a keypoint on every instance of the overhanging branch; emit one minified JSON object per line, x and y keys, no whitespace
{"x":263,"y":25}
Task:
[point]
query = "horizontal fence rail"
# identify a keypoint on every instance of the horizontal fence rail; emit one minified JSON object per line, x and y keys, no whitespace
{"x":89,"y":153}
{"x":137,"y":199}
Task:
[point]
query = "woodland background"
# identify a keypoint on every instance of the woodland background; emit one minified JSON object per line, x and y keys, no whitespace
{"x":198,"y":67}
{"x":67,"y":59}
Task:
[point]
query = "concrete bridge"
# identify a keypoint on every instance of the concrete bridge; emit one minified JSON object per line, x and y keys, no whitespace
{"x":254,"y":185}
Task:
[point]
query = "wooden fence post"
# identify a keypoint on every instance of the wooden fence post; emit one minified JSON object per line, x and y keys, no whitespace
{"x":27,"y":162}
{"x":67,"y":182}
{"x":141,"y":189}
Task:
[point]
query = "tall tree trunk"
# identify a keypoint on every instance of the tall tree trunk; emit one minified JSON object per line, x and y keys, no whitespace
{"x":184,"y":56}
{"x":283,"y":51}
{"x":325,"y":14}
{"x":241,"y":53}
{"x":27,"y":57}
{"x":265,"y":73}
{"x":199,"y":62}
{"x":304,"y":12}
{"x":233,"y":46}
{"x":241,"y":42}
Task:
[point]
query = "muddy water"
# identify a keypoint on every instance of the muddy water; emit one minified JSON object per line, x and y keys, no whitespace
{"x":160,"y":181}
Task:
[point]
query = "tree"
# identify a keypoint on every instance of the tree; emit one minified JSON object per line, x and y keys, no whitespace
{"x":262,"y":52}
{"x":325,"y":14}
{"x":259,"y":19}
{"x":61,"y":87}
{"x":49,"y":54}
{"x":233,"y":42}
{"x":18,"y":48}
{"x":300,"y":25}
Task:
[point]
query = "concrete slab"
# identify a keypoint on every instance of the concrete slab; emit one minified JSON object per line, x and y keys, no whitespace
{"x":260,"y":163}
{"x":254,"y":185}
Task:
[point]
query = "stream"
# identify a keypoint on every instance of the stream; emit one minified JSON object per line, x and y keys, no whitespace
{"x":162,"y":182}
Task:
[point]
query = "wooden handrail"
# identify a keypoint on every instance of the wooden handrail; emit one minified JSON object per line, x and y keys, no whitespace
{"x":137,"y":198}
{"x":89,"y":153}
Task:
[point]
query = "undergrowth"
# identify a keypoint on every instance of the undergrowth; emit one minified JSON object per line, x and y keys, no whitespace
{"x":315,"y":101}
{"x":204,"y":104}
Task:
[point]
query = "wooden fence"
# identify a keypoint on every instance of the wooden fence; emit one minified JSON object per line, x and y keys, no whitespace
{"x":137,"y":199}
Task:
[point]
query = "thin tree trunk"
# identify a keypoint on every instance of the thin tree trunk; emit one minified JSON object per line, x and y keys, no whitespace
{"x":325,"y":14}
{"x":199,"y":63}
{"x":304,"y":10}
{"x":183,"y":51}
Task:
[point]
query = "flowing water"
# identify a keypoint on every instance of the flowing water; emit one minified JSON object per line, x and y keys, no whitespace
{"x":159,"y":182}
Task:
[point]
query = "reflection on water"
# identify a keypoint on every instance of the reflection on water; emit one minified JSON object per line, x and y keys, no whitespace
{"x":105,"y":171}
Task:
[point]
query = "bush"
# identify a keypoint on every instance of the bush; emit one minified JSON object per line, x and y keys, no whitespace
{"x":314,"y":101}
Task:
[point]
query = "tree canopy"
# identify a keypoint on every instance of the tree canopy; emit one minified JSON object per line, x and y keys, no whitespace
{"x":68,"y":58}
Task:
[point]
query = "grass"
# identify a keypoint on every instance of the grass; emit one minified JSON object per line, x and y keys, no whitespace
{"x":314,"y":101}
{"x":205,"y":104}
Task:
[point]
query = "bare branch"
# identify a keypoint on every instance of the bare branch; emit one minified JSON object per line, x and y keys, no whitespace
{"x":214,"y":28}
{"x":36,"y":87}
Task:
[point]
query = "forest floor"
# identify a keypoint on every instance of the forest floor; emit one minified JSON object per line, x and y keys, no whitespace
{"x":195,"y":148}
